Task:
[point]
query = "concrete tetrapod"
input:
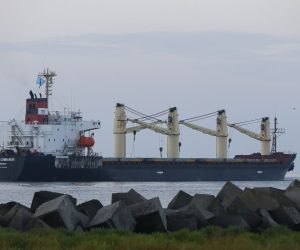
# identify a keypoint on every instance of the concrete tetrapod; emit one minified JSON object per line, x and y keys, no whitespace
{"x":21,"y":219}
{"x":261,"y":200}
{"x":177,"y":220}
{"x":115,"y":216}
{"x":61,"y":212}
{"x":90,"y":208}
{"x":150,"y":216}
{"x":12,"y":212}
{"x":279,"y":195}
{"x":228,"y":193}
{"x":4,"y":208}
{"x":189,"y":217}
{"x":240,"y":208}
{"x":43,"y":196}
{"x":129,"y":198}
{"x":267,"y":219}
{"x":203,"y":201}
{"x":181,"y":199}
{"x":252,"y":209}
{"x":293,"y":195}
{"x":288,"y":216}
{"x":35,"y":223}
{"x":228,"y":220}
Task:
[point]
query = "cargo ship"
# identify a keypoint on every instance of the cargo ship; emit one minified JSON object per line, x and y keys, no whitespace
{"x":58,"y":146}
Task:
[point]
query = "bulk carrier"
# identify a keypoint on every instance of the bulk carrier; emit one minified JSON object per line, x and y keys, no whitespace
{"x":58,"y":146}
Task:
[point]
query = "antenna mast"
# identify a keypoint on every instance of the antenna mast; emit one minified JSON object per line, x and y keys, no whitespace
{"x":276,"y":132}
{"x":48,"y":75}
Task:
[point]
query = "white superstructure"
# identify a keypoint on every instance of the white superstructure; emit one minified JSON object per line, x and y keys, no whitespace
{"x":60,"y":137}
{"x":55,"y":133}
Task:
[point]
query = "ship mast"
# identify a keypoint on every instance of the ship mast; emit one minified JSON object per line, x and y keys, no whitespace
{"x":48,"y":75}
{"x":276,"y":132}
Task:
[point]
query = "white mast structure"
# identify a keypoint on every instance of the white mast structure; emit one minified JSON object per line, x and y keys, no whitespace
{"x":48,"y":75}
{"x":120,"y":131}
{"x":264,"y":136}
{"x":221,"y":133}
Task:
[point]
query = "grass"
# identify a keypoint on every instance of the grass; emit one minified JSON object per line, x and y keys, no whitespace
{"x":211,"y":238}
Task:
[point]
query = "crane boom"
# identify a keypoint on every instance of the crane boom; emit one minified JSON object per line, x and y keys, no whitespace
{"x":245,"y":131}
{"x":221,"y":133}
{"x":199,"y":128}
{"x":141,"y":127}
{"x":264,"y":136}
{"x":153,"y":127}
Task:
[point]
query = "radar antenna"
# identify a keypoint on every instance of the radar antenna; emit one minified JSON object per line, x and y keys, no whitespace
{"x":48,"y":75}
{"x":276,"y":132}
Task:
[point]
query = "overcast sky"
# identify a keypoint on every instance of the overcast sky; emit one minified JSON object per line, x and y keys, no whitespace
{"x":200,"y":56}
{"x":33,"y":19}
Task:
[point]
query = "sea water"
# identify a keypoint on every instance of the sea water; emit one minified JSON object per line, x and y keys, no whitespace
{"x":23,"y":192}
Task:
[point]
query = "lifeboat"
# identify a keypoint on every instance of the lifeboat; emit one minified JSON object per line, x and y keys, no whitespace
{"x":86,"y":141}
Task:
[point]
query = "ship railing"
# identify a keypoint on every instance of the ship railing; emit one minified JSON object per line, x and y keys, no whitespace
{"x":59,"y":122}
{"x":18,"y":128}
{"x":69,"y":114}
{"x":16,"y":132}
{"x":97,"y":154}
{"x":25,"y":134}
{"x":188,"y":160}
{"x":289,"y":152}
{"x":12,"y":144}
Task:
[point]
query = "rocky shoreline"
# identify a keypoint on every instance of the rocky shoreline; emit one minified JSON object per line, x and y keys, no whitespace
{"x":251,"y":209}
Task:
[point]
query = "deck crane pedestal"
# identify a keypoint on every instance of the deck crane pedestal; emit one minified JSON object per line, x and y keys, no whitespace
{"x":120,"y":131}
{"x":221,"y":133}
{"x":264,"y":136}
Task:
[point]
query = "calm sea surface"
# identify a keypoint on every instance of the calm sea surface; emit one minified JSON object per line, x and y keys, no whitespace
{"x":23,"y":192}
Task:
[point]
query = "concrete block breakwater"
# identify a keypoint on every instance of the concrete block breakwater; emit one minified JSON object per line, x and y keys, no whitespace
{"x":250,"y":209}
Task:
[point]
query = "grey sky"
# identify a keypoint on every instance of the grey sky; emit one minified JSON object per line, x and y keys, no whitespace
{"x":32,"y":19}
{"x":197,"y":55}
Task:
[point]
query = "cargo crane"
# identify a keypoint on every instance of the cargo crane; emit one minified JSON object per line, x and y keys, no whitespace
{"x":172,"y":131}
{"x":221,"y":132}
{"x":264,"y":136}
{"x":120,"y":127}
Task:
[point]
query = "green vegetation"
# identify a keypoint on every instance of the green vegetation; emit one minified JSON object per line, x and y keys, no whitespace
{"x":211,"y":238}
